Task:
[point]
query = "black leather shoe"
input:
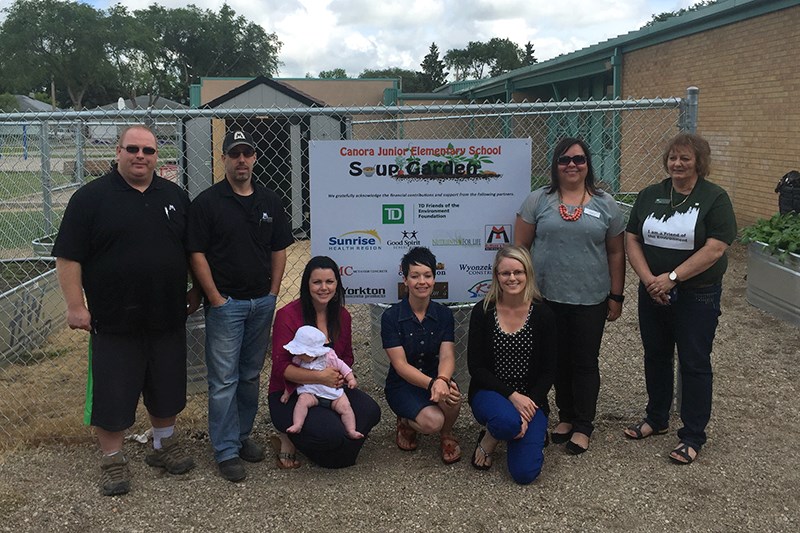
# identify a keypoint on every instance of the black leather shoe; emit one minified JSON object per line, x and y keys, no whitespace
{"x":232,"y":470}
{"x":251,"y":452}
{"x":560,"y":438}
{"x":574,"y":449}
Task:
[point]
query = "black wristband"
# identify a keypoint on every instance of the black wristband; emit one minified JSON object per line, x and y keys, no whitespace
{"x":616,"y":297}
{"x":430,"y":385}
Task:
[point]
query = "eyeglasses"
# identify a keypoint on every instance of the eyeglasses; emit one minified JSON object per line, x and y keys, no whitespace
{"x":508,"y":273}
{"x":565,"y":160}
{"x":247,"y":152}
{"x":133,"y":149}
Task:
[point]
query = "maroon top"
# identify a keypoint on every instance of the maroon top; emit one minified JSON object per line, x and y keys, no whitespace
{"x":288,"y":319}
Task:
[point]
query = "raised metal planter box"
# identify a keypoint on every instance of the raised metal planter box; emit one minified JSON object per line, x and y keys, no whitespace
{"x":29,"y":312}
{"x":772,"y":285}
{"x":43,"y":246}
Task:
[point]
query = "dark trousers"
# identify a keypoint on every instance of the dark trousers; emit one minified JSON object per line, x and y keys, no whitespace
{"x":323,"y":438}
{"x":580,"y":331}
{"x":690,"y":323}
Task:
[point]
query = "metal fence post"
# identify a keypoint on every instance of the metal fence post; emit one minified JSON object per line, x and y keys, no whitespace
{"x":688,"y":124}
{"x":689,"y":110}
{"x":79,"y":149}
{"x":47,"y":182}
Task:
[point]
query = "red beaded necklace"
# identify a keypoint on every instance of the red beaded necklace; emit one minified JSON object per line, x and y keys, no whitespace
{"x":575,"y":215}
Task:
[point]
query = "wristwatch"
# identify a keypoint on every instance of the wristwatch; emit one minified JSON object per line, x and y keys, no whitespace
{"x":673,"y":276}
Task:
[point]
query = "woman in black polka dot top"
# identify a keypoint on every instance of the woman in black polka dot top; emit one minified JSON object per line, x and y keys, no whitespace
{"x":512,"y":363}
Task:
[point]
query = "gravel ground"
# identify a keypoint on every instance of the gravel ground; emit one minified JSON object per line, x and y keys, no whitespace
{"x":746,"y":478}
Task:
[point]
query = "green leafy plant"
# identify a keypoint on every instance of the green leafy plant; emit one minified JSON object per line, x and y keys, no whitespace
{"x":781,"y":234}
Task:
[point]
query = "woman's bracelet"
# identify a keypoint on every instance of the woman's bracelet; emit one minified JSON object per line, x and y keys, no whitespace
{"x":443,"y":378}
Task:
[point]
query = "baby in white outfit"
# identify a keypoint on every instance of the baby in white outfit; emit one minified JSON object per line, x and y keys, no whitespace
{"x":309,"y":350}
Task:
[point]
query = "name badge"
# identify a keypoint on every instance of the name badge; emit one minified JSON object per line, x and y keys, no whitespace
{"x":591,"y":212}
{"x":662,"y":200}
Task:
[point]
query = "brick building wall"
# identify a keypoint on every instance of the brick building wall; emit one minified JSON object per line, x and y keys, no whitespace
{"x":749,"y":79}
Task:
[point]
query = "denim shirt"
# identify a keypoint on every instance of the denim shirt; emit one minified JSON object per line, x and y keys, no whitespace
{"x":420,"y":340}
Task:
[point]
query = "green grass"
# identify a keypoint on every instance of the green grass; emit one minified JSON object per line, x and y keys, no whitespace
{"x":17,"y":184}
{"x":166,"y":151}
{"x":19,"y":228}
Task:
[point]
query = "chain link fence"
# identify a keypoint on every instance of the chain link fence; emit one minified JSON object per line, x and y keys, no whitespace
{"x":45,"y":157}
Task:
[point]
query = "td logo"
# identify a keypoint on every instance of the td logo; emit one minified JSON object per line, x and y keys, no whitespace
{"x":393,"y":213}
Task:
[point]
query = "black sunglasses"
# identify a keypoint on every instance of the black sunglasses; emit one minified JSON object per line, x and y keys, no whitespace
{"x":234,"y":153}
{"x":133,"y":149}
{"x":577,"y":159}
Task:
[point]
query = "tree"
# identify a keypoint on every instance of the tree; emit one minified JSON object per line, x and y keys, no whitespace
{"x":661,"y":17}
{"x":8,"y":103}
{"x":134,"y":52}
{"x":529,"y":58}
{"x":410,"y":81}
{"x":433,"y":74}
{"x":193,"y":43}
{"x":497,"y":56}
{"x":504,"y":56}
{"x":335,"y":74}
{"x":457,"y":60}
{"x":54,"y":40}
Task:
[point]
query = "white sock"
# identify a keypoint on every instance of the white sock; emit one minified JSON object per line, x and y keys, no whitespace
{"x":161,"y":433}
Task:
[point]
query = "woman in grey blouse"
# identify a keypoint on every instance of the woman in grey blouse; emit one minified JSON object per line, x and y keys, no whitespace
{"x":575,"y":234}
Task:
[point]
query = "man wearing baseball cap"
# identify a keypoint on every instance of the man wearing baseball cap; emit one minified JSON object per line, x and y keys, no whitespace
{"x":237,"y":239}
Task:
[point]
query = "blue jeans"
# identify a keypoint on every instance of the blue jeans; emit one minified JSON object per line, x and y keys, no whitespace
{"x":237,"y":334}
{"x":525,"y":456}
{"x":690,"y":323}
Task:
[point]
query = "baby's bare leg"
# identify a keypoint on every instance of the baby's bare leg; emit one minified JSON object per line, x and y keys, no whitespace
{"x":305,"y":401}
{"x":341,"y":405}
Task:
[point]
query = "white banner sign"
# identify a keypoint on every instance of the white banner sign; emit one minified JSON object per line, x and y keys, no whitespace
{"x":373,"y":200}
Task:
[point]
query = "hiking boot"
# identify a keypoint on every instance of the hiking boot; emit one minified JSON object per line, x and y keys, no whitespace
{"x":172,"y":456}
{"x":232,"y":469}
{"x":251,"y":452}
{"x":115,"y":477}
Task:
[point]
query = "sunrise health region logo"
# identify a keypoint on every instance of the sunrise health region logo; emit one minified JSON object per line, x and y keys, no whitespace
{"x":356,"y":240}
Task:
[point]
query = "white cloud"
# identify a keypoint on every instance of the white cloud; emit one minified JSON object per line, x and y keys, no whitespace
{"x":368,"y":34}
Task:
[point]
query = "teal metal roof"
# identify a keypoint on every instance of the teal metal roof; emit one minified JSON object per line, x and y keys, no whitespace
{"x":597,"y":58}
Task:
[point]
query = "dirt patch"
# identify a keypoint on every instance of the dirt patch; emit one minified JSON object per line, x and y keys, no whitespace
{"x":15,"y":273}
{"x":746,"y":478}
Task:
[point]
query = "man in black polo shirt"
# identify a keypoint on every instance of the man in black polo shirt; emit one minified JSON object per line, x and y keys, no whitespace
{"x":121,"y":241}
{"x":238,"y":235}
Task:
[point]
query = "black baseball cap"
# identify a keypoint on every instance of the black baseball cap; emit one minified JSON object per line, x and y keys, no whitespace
{"x":235,"y":138}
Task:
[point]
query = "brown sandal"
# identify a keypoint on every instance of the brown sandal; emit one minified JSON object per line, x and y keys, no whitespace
{"x":450,"y":447}
{"x":280,"y":456}
{"x":406,"y":437}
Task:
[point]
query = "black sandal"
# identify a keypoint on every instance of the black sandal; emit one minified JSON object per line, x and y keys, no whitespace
{"x":485,"y":454}
{"x":682,"y":451}
{"x":637,"y":429}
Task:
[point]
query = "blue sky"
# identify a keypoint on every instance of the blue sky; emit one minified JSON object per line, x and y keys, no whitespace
{"x":357,"y":34}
